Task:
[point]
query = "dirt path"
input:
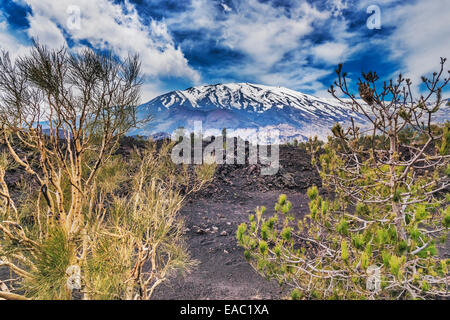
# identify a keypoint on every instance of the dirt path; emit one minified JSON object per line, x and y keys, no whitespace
{"x":223,"y":273}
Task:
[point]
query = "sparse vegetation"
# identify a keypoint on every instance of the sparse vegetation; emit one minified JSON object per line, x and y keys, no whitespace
{"x":377,"y":233}
{"x":86,"y":221}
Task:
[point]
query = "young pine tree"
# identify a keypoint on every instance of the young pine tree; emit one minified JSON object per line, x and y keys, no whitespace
{"x":84,"y":222}
{"x":378,"y":235}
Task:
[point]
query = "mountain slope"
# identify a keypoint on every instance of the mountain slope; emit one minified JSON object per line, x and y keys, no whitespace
{"x":243,"y":107}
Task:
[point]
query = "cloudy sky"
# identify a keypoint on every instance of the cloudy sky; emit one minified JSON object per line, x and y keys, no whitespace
{"x":292,"y":43}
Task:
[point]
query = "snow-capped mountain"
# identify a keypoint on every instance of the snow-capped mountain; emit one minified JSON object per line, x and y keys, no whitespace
{"x":239,"y":107}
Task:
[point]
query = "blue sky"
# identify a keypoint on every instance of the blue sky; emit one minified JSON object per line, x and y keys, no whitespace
{"x":292,"y":43}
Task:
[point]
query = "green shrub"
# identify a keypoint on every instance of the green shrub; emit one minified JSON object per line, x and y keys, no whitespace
{"x":377,"y":237}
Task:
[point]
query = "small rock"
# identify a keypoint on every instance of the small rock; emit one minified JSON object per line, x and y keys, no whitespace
{"x":224,"y":233}
{"x":200,"y":231}
{"x":225,"y":251}
{"x":215,"y":229}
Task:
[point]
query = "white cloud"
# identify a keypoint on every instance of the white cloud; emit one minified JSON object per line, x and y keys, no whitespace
{"x":267,"y":33}
{"x":337,"y":6}
{"x":45,"y":31}
{"x":331,"y":52}
{"x":106,"y":25}
{"x":306,"y":78}
{"x":364,"y":4}
{"x":151,"y":89}
{"x":226,"y":8}
{"x":8,"y":42}
{"x":274,"y":40}
{"x":421,"y":36}
{"x":200,"y":14}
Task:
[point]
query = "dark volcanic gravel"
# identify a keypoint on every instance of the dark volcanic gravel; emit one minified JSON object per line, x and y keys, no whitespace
{"x":212,"y":216}
{"x":222,"y":272}
{"x":295,"y":174}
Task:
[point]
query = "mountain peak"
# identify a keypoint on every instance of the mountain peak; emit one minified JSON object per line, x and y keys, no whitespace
{"x":240,"y":107}
{"x":253,"y":97}
{"x":243,"y":106}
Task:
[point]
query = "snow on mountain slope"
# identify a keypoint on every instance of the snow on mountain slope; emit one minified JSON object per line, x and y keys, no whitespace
{"x":242,"y":106}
